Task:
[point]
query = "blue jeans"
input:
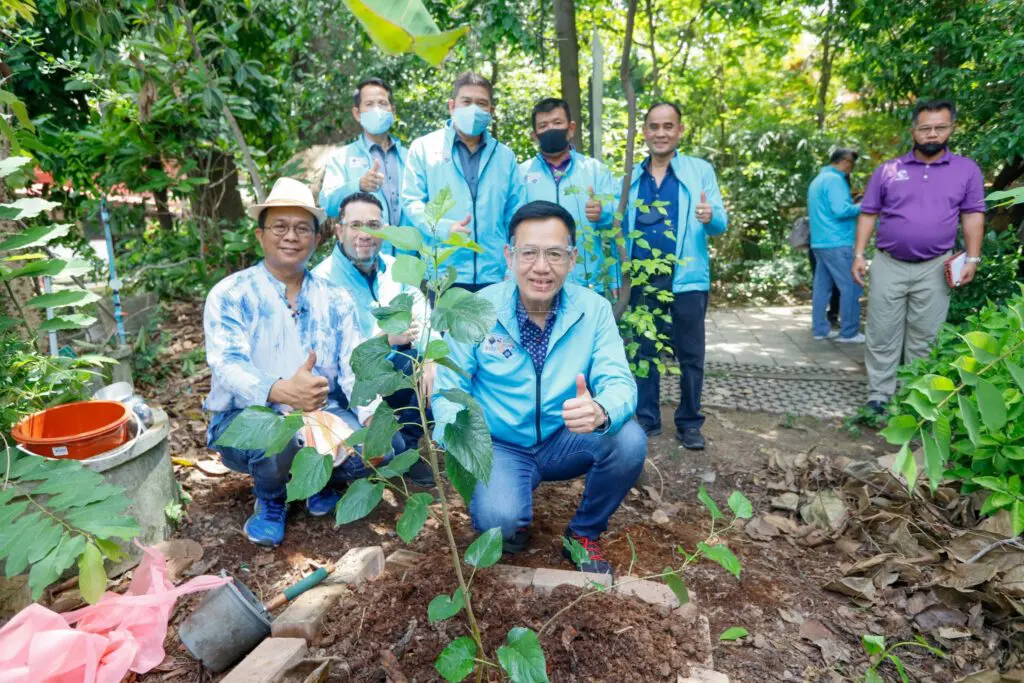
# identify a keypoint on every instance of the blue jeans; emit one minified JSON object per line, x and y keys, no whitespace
{"x":834,"y":266}
{"x":686,"y":334}
{"x":270,"y":475}
{"x":611,"y":463}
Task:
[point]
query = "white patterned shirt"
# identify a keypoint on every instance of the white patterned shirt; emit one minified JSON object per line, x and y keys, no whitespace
{"x":254,"y":338}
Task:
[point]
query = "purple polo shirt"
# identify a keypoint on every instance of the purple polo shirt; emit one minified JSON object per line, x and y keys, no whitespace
{"x":920,"y":204}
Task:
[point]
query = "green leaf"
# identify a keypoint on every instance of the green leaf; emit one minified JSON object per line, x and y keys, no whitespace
{"x":111,"y":550}
{"x":68,"y":297}
{"x":996,"y":501}
{"x":310,"y":474}
{"x":1017,"y":372}
{"x":35,"y":541}
{"x":456,"y":661}
{"x":969,"y":415}
{"x":676,"y":583}
{"x":372,"y":358}
{"x":1017,"y":516}
{"x":485,"y":550}
{"x":577,"y":553}
{"x":384,"y":384}
{"x":44,"y":268}
{"x":937,"y":387}
{"x":943,"y":434}
{"x":92,"y":579}
{"x":396,"y":317}
{"x":734,"y":633}
{"x":906,"y":465}
{"x":50,"y":568}
{"x":991,"y":406}
{"x":436,"y":349}
{"x":468,"y":438}
{"x":723,"y":556}
{"x":105,"y":519}
{"x":983,"y":345}
{"x":360,"y":498}
{"x":873,"y":645}
{"x":443,"y":607}
{"x":409,"y":270}
{"x":260,"y":428}
{"x":901,"y":429}
{"x":400,"y":26}
{"x":401,"y":236}
{"x":10,"y":165}
{"x":28,"y":207}
{"x":933,"y":462}
{"x":399,"y":464}
{"x":709,"y":503}
{"x":871,"y":676}
{"x":467,"y":317}
{"x":37,"y":237}
{"x":522,"y":658}
{"x":414,"y":516}
{"x":74,"y":321}
{"x":7,"y":322}
{"x":740,"y":506}
{"x":381,"y":430}
{"x":461,"y":478}
{"x":922,"y":404}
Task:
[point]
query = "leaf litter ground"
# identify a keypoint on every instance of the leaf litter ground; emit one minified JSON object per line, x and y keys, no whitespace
{"x":798,"y":630}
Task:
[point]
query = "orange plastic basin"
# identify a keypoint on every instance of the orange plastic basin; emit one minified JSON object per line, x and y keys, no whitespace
{"x":74,"y":430}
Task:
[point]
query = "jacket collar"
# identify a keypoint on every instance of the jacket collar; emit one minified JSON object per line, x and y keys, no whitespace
{"x":343,"y":266}
{"x":490,"y":144}
{"x":364,"y":145}
{"x":909,"y":158}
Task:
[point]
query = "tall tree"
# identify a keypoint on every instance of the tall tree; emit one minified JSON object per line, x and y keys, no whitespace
{"x":569,"y":61}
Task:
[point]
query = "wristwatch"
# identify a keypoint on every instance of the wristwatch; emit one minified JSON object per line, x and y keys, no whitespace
{"x":973,"y":259}
{"x":607,"y":420}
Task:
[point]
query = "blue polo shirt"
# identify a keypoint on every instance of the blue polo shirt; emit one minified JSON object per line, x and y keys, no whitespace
{"x":659,"y":229}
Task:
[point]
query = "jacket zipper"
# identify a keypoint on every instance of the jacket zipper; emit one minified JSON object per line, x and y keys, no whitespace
{"x":474,"y":235}
{"x":537,"y":385}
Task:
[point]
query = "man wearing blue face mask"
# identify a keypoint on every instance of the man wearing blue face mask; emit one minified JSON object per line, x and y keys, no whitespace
{"x":482,"y":175}
{"x":373,"y":163}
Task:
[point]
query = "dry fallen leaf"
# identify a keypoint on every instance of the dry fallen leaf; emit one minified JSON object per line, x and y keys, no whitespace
{"x":861,"y":588}
{"x":213,"y":468}
{"x":181,"y":553}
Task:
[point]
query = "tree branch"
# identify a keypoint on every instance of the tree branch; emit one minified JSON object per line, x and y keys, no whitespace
{"x":626,"y":75}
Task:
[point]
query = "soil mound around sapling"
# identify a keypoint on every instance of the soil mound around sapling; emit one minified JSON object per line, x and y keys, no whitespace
{"x":606,"y":637}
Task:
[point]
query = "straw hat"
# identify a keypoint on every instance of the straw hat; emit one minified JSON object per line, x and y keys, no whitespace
{"x":288,"y":192}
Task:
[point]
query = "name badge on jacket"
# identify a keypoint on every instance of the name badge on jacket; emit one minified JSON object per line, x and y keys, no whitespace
{"x":498,"y":345}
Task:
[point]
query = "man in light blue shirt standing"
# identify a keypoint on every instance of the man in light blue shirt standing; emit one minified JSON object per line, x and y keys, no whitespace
{"x":374,"y":162}
{"x":481,"y":173}
{"x":833,"y":217}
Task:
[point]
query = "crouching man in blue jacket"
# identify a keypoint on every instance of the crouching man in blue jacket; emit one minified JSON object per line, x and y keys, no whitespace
{"x":554,"y":385}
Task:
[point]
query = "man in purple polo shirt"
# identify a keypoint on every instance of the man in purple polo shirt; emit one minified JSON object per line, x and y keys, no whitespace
{"x":922,"y":197}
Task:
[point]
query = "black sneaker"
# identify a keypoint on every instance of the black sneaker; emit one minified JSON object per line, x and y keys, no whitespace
{"x":654,"y":430}
{"x":877,"y":407}
{"x":691,"y":439}
{"x":596,"y":564}
{"x":421,"y":475}
{"x":517,"y":543}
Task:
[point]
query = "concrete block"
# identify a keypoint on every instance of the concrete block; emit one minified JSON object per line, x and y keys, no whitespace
{"x":546,"y":580}
{"x":304,"y":616}
{"x":699,"y":675}
{"x":704,"y":631}
{"x":520,"y":577}
{"x":651,"y":592}
{"x":268,"y":662}
{"x":403,"y":560}
{"x":358,"y":565}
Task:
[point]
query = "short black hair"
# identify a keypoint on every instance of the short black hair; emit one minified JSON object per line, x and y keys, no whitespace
{"x":549,"y":104}
{"x":371,"y":81}
{"x":665,"y":103}
{"x":934,"y":105}
{"x":364,"y":197}
{"x":471,"y":78}
{"x":261,"y":221}
{"x":843,"y":153}
{"x":539,"y":210}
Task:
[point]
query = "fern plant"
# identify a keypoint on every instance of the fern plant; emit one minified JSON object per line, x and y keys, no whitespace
{"x":54,"y":513}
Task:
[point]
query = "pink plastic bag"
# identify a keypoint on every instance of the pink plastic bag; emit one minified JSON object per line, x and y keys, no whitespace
{"x":118,"y":634}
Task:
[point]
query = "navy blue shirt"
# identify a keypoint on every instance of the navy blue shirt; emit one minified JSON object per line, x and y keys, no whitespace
{"x":534,"y":339}
{"x":659,"y":229}
{"x":470,"y":162}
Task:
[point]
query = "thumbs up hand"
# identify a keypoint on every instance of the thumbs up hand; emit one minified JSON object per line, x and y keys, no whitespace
{"x":463,"y":225}
{"x":303,"y":391}
{"x":582,"y":414}
{"x":372,"y":179}
{"x":593,"y":207}
{"x":704,"y":209}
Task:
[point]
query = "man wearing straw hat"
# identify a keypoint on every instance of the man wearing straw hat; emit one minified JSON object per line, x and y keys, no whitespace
{"x":280,"y":337}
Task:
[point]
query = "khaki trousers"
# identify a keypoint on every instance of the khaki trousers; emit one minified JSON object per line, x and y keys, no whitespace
{"x":907,"y":304}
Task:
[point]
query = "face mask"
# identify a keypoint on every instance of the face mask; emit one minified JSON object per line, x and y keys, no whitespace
{"x":553,"y":140}
{"x":930,"y":149}
{"x":376,"y":121}
{"x":471,"y":120}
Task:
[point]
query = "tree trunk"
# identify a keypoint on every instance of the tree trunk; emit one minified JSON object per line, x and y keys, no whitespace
{"x":569,"y":62}
{"x":655,"y":71}
{"x":163,"y":211}
{"x":826,"y":66}
{"x":626,"y":76}
{"x":219,"y":199}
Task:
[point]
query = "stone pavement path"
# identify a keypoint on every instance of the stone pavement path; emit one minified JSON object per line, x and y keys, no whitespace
{"x":765,"y":359}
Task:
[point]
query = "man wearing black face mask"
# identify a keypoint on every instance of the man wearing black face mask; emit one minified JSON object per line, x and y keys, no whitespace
{"x":921,"y":198}
{"x":581,"y":185}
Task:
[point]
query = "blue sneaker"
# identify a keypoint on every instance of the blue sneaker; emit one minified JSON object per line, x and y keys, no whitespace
{"x":266,"y":526}
{"x":323,"y":503}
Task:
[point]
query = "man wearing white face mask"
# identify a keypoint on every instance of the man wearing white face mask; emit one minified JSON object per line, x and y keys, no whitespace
{"x":482,"y":175}
{"x":373,"y":163}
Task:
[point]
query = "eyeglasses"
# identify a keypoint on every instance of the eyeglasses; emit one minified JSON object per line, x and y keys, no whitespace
{"x":555,"y":256}
{"x":301,"y":231}
{"x":927,"y":130}
{"x":359,"y":225}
